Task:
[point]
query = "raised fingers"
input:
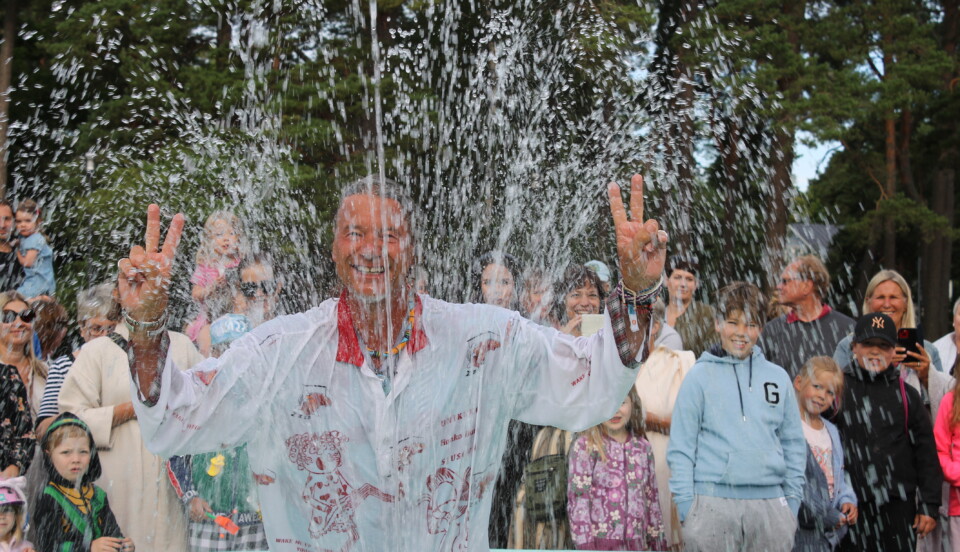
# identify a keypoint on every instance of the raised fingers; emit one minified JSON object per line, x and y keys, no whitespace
{"x":616,"y":205}
{"x":636,"y":197}
{"x":152,"y":238}
{"x":173,"y":236}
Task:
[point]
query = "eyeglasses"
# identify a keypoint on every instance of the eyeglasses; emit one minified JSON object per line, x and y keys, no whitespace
{"x":27,"y":315}
{"x":99,"y":329}
{"x":250,"y":289}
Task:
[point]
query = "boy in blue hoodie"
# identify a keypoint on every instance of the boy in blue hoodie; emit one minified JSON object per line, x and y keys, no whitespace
{"x":737,"y":452}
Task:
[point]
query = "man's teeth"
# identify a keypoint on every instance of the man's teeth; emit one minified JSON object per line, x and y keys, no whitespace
{"x":370,"y":270}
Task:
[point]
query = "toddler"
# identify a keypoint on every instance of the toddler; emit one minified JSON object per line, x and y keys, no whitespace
{"x":13,"y":508}
{"x":33,"y":253}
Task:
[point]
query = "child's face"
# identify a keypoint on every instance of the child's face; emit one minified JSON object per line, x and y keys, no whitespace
{"x":738,"y":335}
{"x":224,"y":238}
{"x":873,"y":354}
{"x":71,"y":458}
{"x":618,"y":424}
{"x":817,"y":393}
{"x":8,"y":521}
{"x":26,"y":223}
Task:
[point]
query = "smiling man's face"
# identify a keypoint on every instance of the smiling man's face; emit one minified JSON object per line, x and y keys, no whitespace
{"x":372,"y":246}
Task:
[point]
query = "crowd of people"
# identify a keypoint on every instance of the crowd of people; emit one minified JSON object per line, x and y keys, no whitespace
{"x":750,"y":424}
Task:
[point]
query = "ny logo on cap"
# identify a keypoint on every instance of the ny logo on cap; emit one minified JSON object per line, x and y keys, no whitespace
{"x":877,"y":322}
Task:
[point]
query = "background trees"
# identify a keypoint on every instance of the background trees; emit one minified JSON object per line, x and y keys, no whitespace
{"x":505,"y":119}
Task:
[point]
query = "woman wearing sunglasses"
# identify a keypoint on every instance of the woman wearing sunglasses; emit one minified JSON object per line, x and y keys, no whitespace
{"x":22,"y":379}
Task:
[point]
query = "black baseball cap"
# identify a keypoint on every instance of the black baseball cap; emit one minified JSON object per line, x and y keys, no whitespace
{"x":875,"y":325}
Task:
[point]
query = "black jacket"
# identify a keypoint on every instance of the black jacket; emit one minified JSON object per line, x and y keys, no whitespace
{"x":889,"y":450}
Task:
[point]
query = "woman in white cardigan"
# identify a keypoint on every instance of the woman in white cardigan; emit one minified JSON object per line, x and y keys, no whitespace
{"x":948,"y":345}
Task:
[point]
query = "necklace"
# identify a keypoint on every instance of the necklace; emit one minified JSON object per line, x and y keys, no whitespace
{"x":408,"y":329}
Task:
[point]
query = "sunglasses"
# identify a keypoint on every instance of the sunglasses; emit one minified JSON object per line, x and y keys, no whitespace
{"x":250,"y":289}
{"x":27,"y":315}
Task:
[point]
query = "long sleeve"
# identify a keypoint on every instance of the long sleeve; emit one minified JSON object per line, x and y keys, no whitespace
{"x":816,"y":510}
{"x":655,"y":537}
{"x":49,"y":521}
{"x":82,"y":390}
{"x":16,"y":428}
{"x":682,"y":451}
{"x":943,"y":434}
{"x":50,"y":403}
{"x":110,"y":526}
{"x":579,"y":484}
{"x":925,"y":458}
{"x":794,"y":451}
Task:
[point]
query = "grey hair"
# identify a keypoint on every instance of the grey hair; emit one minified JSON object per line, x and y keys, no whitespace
{"x":385,"y":188}
{"x":956,"y":305}
{"x":98,"y":302}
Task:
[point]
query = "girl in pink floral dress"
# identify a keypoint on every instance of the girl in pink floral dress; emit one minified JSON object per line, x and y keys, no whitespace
{"x":612,"y":500}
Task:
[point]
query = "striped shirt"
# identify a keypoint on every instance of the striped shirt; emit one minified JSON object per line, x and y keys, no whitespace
{"x":57,"y":372}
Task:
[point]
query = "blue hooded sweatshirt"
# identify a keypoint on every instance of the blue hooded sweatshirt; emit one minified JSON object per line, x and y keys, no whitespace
{"x":735,"y":432}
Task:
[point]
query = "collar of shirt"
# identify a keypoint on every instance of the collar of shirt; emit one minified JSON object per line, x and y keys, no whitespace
{"x":792,"y":315}
{"x":348,"y":347}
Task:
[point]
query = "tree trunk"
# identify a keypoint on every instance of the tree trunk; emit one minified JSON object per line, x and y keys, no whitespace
{"x":889,"y":190}
{"x":11,"y":8}
{"x":936,"y":254}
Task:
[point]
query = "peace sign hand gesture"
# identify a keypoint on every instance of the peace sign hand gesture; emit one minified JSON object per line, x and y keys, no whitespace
{"x":144,"y":281}
{"x":641,"y":246}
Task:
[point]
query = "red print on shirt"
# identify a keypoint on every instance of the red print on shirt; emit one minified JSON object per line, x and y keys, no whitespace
{"x":331,"y":497}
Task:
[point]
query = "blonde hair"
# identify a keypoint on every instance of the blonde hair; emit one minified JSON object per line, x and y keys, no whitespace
{"x":205,"y":253}
{"x":822,"y":365}
{"x":909,"y":317}
{"x":595,"y":434}
{"x":37,"y":366}
{"x":63,"y":433}
{"x":20,"y":512}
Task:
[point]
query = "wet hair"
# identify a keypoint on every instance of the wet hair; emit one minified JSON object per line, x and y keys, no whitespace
{"x":62,"y":433}
{"x":681,"y":263}
{"x":812,"y":269}
{"x":7,"y":203}
{"x":98,"y":301}
{"x":742,"y":297}
{"x":574,"y":277}
{"x":37,"y":366}
{"x":635,"y":425}
{"x":31,"y":207}
{"x":52,"y":319}
{"x":909,"y":319}
{"x":384,"y":188}
{"x":505,"y":260}
{"x":822,"y":365}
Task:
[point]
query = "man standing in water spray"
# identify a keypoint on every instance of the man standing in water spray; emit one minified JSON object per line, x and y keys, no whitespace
{"x":377,"y":421}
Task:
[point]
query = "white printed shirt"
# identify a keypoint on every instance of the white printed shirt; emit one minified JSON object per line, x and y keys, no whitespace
{"x":339,"y":464}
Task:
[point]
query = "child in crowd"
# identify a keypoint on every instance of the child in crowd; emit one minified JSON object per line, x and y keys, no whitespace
{"x":946,"y":431}
{"x":218,"y":260}
{"x":612,"y":499}
{"x":829,"y":504}
{"x":13,"y":512}
{"x":73,"y":513}
{"x":737,"y":452}
{"x":33,"y":253}
{"x":888,"y":442}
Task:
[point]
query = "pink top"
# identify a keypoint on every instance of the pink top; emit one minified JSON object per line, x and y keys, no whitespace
{"x":948,"y":449}
{"x":614,"y":504}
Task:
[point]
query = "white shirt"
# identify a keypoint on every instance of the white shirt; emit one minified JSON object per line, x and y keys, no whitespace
{"x":412,"y":470}
{"x":947,"y":348}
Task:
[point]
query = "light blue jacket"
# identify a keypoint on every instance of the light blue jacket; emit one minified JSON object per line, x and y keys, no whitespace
{"x":38,"y":278}
{"x":736,"y":433}
{"x":819,"y":514}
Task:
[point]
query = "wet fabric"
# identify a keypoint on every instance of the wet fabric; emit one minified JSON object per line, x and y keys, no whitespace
{"x":339,"y":463}
{"x":135,"y":479}
{"x":791,"y":344}
{"x":71,"y":519}
{"x":11,"y":271}
{"x":697,"y":327}
{"x":738,"y":525}
{"x":820,"y":510}
{"x":613,"y":504}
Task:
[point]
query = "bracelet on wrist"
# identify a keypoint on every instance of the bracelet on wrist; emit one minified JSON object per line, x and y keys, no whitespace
{"x":151,"y":328}
{"x":638,"y":301}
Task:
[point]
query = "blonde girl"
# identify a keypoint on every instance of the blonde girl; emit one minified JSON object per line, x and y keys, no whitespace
{"x":218,"y":259}
{"x":13,"y":508}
